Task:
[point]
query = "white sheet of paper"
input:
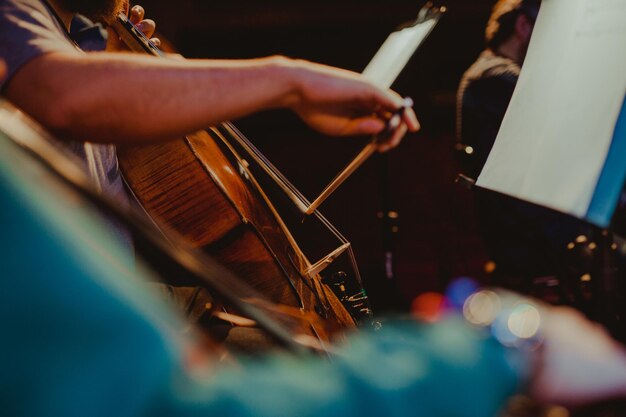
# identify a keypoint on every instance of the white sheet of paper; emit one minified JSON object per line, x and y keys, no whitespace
{"x":555,"y":136}
{"x":395,"y":52}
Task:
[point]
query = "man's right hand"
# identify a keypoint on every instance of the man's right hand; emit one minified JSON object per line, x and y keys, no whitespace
{"x":343,"y":103}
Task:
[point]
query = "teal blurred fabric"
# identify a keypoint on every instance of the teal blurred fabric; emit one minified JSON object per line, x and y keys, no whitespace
{"x":81,"y":337}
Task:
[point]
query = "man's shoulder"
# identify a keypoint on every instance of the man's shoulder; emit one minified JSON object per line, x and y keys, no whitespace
{"x":27,"y":30}
{"x":20,"y":17}
{"x":27,"y":6}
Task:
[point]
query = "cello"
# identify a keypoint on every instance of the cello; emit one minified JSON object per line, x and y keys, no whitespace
{"x":203,"y":189}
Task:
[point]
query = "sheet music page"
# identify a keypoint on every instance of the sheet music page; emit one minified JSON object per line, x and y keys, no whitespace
{"x":554,"y":140}
{"x":395,"y":52}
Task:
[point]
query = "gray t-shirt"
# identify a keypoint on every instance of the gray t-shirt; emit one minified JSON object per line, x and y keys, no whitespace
{"x":28,"y":29}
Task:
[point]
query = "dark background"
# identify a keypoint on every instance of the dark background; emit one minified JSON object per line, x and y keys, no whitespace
{"x":436,"y":238}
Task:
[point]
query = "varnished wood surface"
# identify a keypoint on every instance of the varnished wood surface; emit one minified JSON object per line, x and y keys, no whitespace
{"x":190,"y":186}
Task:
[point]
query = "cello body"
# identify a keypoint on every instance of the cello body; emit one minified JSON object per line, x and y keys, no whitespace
{"x":200,"y":187}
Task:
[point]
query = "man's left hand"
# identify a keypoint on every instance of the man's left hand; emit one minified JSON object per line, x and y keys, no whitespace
{"x":146,"y":26}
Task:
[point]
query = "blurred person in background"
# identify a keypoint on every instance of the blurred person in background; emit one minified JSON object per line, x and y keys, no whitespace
{"x":524,"y":241}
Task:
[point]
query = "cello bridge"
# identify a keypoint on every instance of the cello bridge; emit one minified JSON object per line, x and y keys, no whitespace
{"x":323,"y":263}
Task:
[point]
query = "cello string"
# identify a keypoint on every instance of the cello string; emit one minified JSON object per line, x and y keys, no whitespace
{"x":262,"y":159}
{"x":267,"y":165}
{"x":271,"y":167}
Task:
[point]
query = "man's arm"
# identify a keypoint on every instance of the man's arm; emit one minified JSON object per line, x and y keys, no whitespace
{"x":121,"y":98}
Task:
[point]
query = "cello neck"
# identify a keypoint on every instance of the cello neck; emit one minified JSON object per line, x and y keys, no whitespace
{"x":134,"y":38}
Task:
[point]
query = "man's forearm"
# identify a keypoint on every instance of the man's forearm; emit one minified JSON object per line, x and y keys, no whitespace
{"x":122,"y":98}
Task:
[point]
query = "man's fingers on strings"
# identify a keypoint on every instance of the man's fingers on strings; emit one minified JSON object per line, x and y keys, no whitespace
{"x":137,"y":14}
{"x":147,"y":26}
